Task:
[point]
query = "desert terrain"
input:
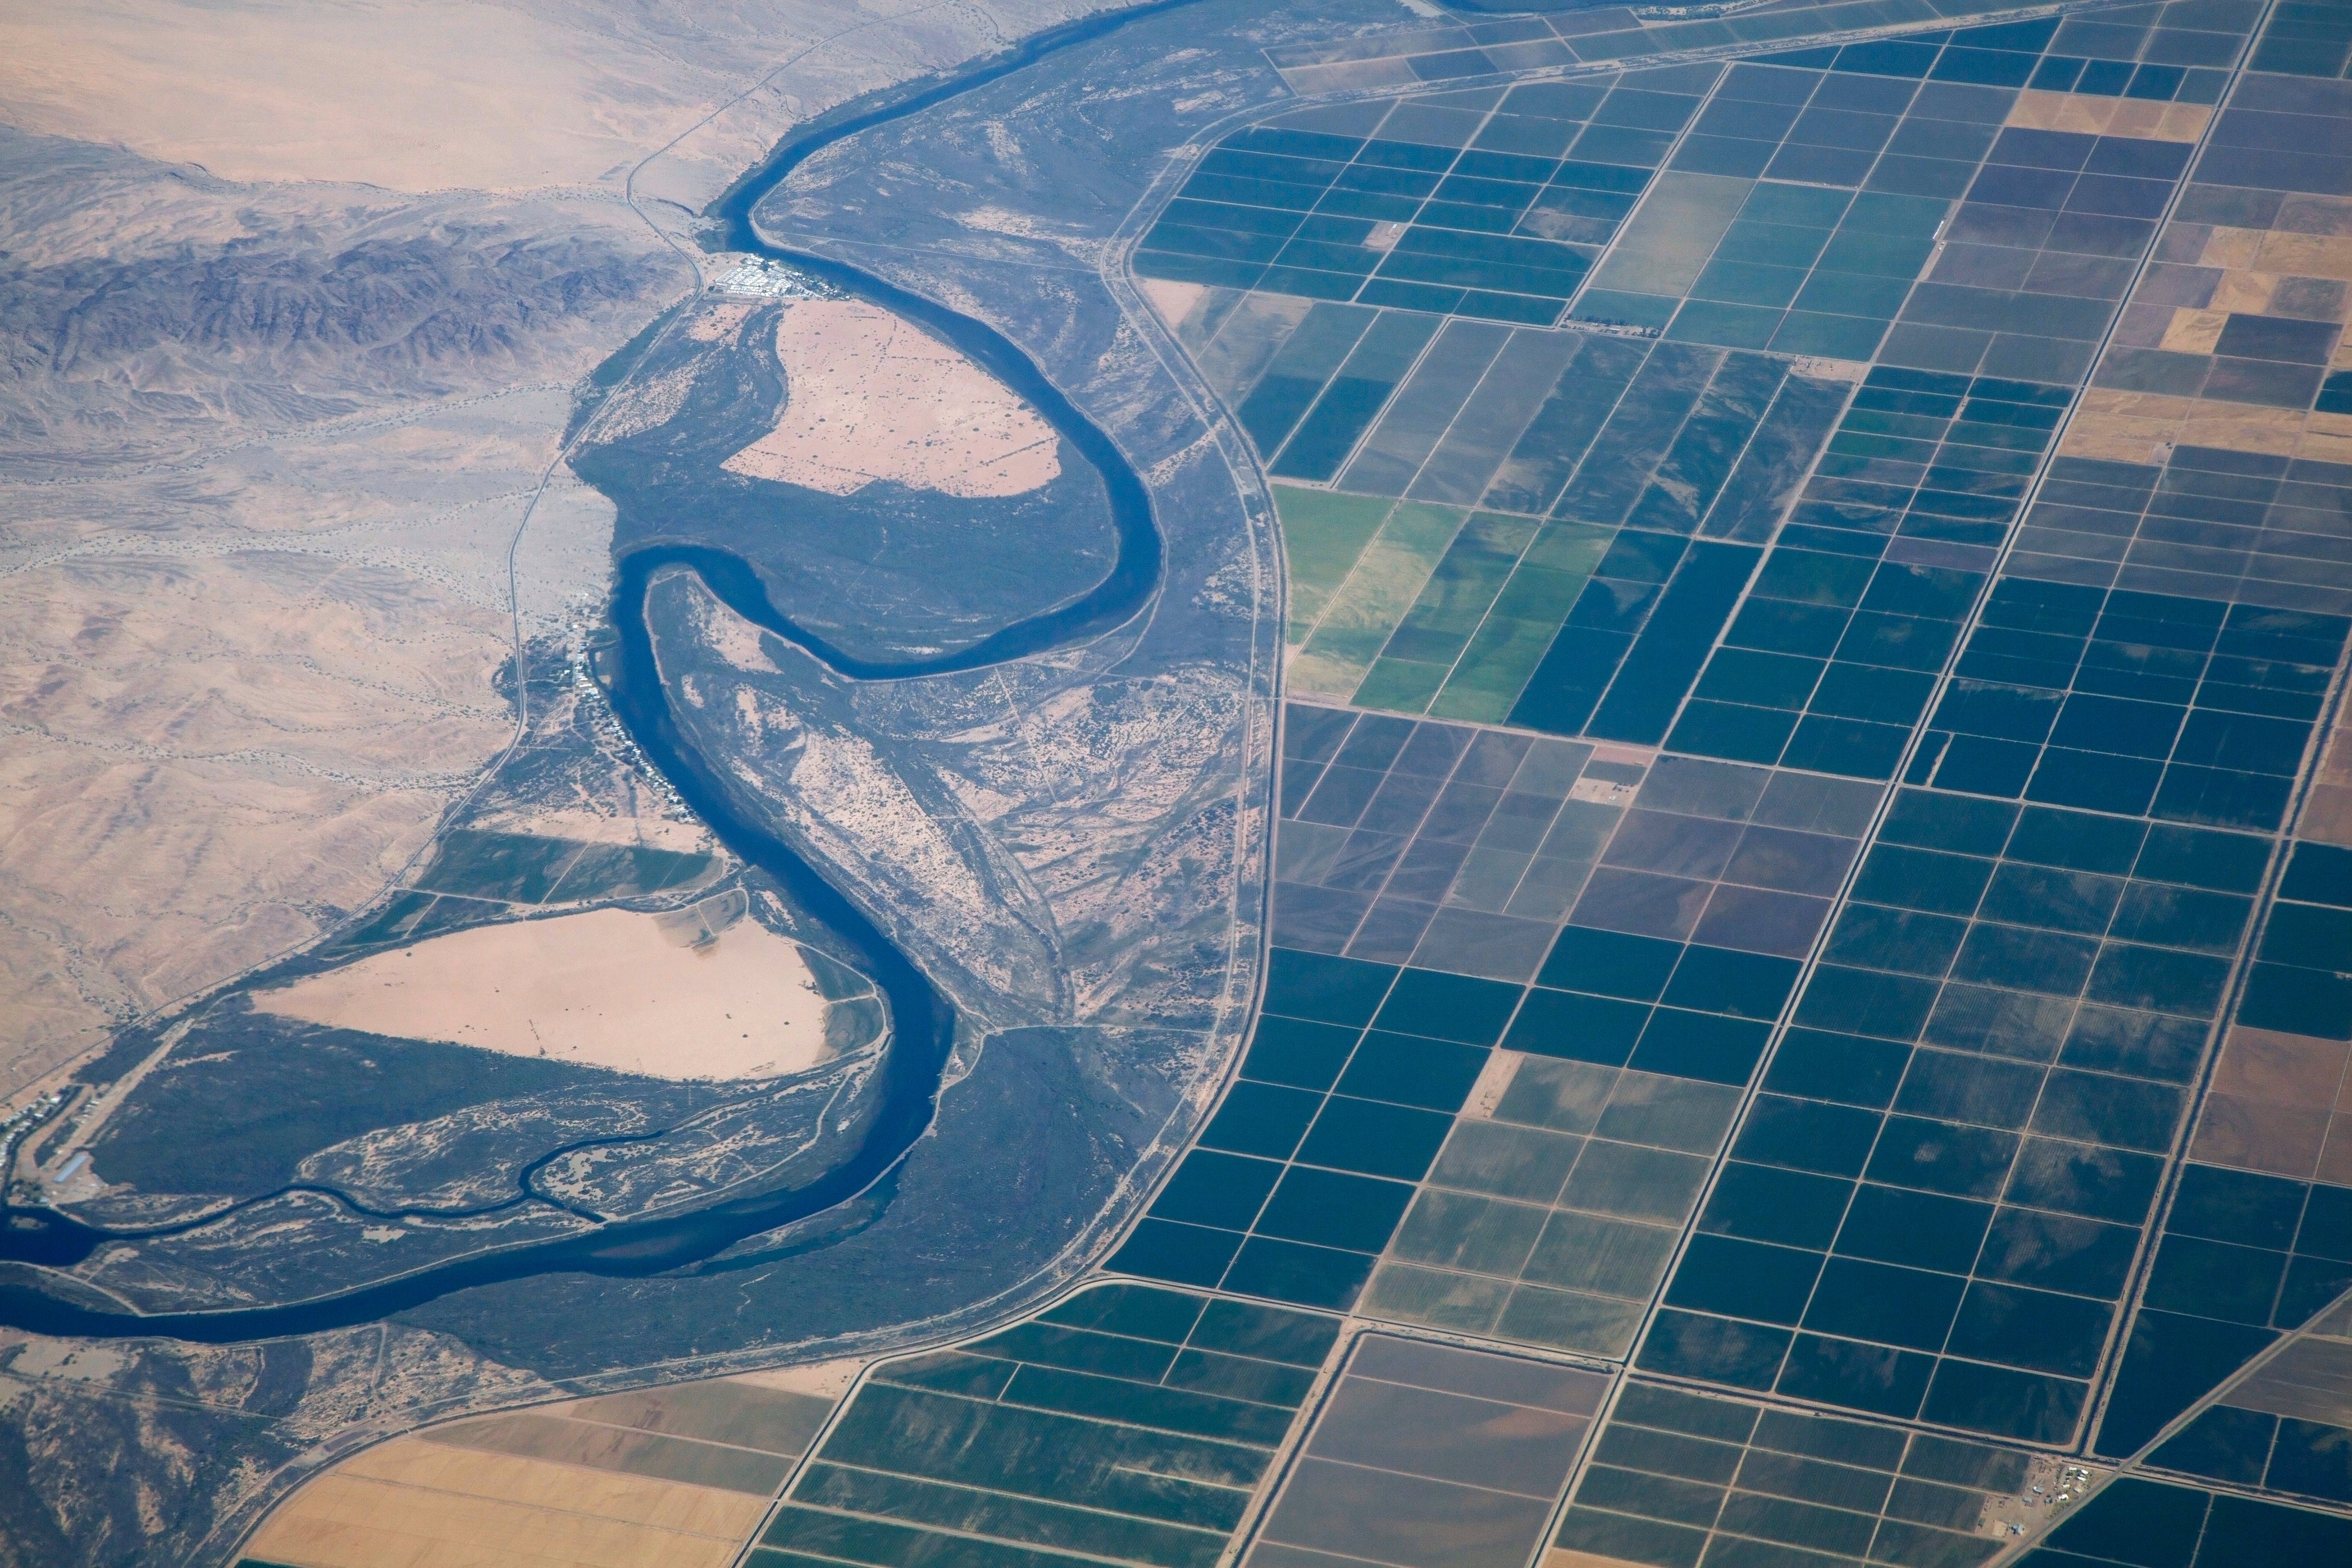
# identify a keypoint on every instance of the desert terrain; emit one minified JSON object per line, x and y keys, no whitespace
{"x":294,"y":305}
{"x":293,"y":299}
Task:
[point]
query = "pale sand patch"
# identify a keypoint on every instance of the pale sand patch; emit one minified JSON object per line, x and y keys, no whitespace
{"x":2243,"y":293}
{"x":674,"y":1477}
{"x":870,"y":398}
{"x":737,"y":641}
{"x":609,"y":988}
{"x":2097,"y":116}
{"x":2143,"y":427}
{"x":2114,"y":440}
{"x":2243,"y":427}
{"x":2232,"y":248}
{"x":719,"y":321}
{"x":2326,"y":438}
{"x":2327,"y":806}
{"x":409,"y":1502}
{"x":824,"y":1379}
{"x":1173,"y":301}
{"x":2161,"y":122}
{"x":2194,"y":332}
{"x":2061,"y":111}
{"x":2307,"y":255}
{"x":593,"y":827}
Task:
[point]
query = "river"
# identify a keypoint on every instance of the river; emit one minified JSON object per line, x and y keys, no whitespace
{"x":922,"y":1018}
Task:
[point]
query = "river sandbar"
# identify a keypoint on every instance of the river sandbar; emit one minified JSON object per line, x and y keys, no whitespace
{"x":869,"y":396}
{"x":611,"y":988}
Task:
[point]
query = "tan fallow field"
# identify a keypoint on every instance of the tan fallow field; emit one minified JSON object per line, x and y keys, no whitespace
{"x":666,"y":995}
{"x":664,"y":1478}
{"x":869,"y":396}
{"x":2299,"y":267}
{"x":1173,"y":300}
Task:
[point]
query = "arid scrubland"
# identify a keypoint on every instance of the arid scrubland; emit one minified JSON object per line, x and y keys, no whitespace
{"x":291,"y":303}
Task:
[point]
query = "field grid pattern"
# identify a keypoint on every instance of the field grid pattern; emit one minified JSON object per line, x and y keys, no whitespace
{"x":1127,"y":1424}
{"x":1808,"y":1014}
{"x":1807,"y":1018}
{"x":1818,"y":584}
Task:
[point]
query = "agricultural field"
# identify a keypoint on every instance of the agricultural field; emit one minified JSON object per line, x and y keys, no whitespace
{"x":1810,"y":855}
{"x":1431,"y":1456}
{"x":1129,"y":1425}
{"x":1702,"y":920}
{"x":674,"y":1476}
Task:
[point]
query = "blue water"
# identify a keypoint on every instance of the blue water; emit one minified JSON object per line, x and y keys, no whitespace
{"x":901,"y":1105}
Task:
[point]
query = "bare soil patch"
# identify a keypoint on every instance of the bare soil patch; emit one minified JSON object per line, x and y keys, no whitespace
{"x":410,"y":1501}
{"x":656,"y":994}
{"x":676,"y":1476}
{"x":870,"y":398}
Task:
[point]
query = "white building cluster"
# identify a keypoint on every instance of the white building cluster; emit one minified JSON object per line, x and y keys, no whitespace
{"x":766,"y":279}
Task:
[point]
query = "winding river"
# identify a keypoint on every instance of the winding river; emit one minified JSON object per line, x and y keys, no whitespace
{"x":922,"y":1018}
